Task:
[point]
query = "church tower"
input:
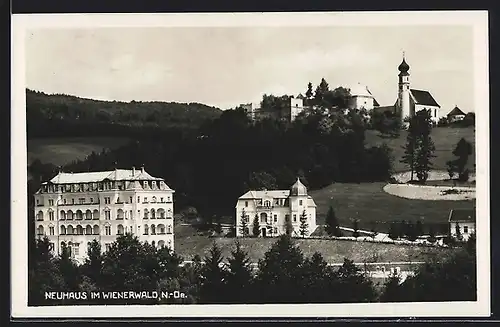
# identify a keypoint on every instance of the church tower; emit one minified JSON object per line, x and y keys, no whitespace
{"x":403,"y":104}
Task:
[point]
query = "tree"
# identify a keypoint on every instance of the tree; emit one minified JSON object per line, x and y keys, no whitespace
{"x":425,"y":148}
{"x":279,"y":274}
{"x":411,"y":231}
{"x":393,"y":232}
{"x":213,"y":277}
{"x":318,"y":281}
{"x":239,"y":276}
{"x":288,"y":226}
{"x":243,"y":224}
{"x":304,"y":226}
{"x":43,"y":274}
{"x":309,"y":92}
{"x":332,"y":224}
{"x":68,"y":269}
{"x":410,"y":154}
{"x":392,"y":289}
{"x":432,"y":234}
{"x":458,"y":232}
{"x":419,"y":147}
{"x":256,"y":226}
{"x":450,"y":168}
{"x":462,"y":150}
{"x":354,"y":285}
{"x":92,"y":267}
{"x":355,"y":231}
{"x":419,"y":228}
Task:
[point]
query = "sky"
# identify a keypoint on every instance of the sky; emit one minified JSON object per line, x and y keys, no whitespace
{"x":227,"y":66}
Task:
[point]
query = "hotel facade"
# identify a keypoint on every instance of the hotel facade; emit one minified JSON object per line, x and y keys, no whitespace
{"x":73,"y":209}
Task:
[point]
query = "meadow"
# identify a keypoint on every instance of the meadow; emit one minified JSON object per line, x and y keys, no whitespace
{"x":188,"y":244}
{"x":445,"y":139}
{"x":60,"y":151}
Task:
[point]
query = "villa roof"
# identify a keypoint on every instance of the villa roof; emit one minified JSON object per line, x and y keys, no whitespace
{"x":274,"y":194}
{"x":462,"y":215}
{"x":423,"y":98}
{"x":456,"y":112}
{"x":92,"y":177}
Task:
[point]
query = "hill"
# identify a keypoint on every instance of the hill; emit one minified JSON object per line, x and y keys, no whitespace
{"x":445,"y":139}
{"x":56,"y":115}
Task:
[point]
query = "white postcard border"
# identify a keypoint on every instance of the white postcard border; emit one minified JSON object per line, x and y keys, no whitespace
{"x":21,"y":24}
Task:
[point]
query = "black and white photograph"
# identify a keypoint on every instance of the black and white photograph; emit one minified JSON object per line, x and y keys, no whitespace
{"x":250,"y":165}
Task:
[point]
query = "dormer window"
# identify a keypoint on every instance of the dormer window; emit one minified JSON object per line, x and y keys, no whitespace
{"x":145,"y":184}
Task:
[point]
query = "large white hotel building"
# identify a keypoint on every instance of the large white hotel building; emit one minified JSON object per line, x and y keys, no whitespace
{"x":73,"y":209}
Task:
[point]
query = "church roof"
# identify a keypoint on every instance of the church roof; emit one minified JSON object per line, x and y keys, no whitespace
{"x":93,"y":177}
{"x":298,"y":188}
{"x":404,"y":67}
{"x":456,"y":112}
{"x":423,"y":98}
{"x":462,"y":215}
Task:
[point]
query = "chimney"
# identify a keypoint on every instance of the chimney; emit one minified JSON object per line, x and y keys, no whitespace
{"x":133,"y":171}
{"x":142,"y":169}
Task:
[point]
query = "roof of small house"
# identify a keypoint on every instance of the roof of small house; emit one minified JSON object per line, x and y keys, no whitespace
{"x":456,"y":112}
{"x":93,"y":177}
{"x":423,"y":98}
{"x":462,"y":215}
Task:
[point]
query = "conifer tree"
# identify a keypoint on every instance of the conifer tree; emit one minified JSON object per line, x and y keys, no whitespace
{"x":243,"y":224}
{"x":304,"y":226}
{"x":213,"y":277}
{"x":332,"y":224}
{"x":239,"y":276}
{"x":256,"y":226}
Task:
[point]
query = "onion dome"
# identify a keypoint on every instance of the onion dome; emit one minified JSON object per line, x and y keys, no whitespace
{"x":403,"y":67}
{"x":298,"y":188}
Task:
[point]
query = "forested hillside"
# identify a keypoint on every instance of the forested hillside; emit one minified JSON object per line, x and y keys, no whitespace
{"x":65,"y":115}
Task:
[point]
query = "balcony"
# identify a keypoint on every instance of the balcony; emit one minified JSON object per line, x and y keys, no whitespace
{"x":39,"y":204}
{"x":261,"y":207}
{"x":79,"y":204}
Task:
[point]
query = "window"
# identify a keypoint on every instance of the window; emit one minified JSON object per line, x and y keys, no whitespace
{"x":107,"y":200}
{"x":294,"y":218}
{"x":246,"y":203}
{"x":51,"y":246}
{"x":435,"y":112}
{"x":72,"y":201}
{"x":300,"y":202}
{"x":287,"y":218}
{"x":91,"y":200}
{"x":107,"y":230}
{"x":107,"y":215}
{"x":161,"y":200}
{"x":131,"y":199}
{"x":169,"y":229}
{"x":51,"y":230}
{"x":145,"y":184}
{"x":145,"y":200}
{"x":118,"y":200}
{"x":146,"y":230}
{"x":267,"y":203}
{"x":154,"y":199}
{"x":275,"y":218}
{"x":37,"y":202}
{"x":153,"y":230}
{"x":51,"y":202}
{"x":64,"y":201}
{"x":466,"y":229}
{"x":39,"y":216}
{"x":51,"y":215}
{"x":275,"y":230}
{"x":81,"y":200}
{"x":107,"y":246}
{"x":138,"y":199}
{"x":168,"y":199}
{"x":63,"y":230}
{"x":131,"y":217}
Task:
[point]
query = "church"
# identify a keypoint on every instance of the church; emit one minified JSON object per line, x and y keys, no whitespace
{"x":410,"y":100}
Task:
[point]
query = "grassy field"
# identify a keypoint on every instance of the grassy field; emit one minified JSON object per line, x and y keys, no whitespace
{"x":59,"y":151}
{"x":445,"y":139}
{"x":371,"y":205}
{"x":187,"y":244}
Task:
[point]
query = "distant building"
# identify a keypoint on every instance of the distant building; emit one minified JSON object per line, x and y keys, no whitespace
{"x":361,"y":98}
{"x":275,"y":210}
{"x":455,"y":115}
{"x":72,"y":209}
{"x":411,"y":101}
{"x":463,"y":221}
{"x":292,"y":108}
